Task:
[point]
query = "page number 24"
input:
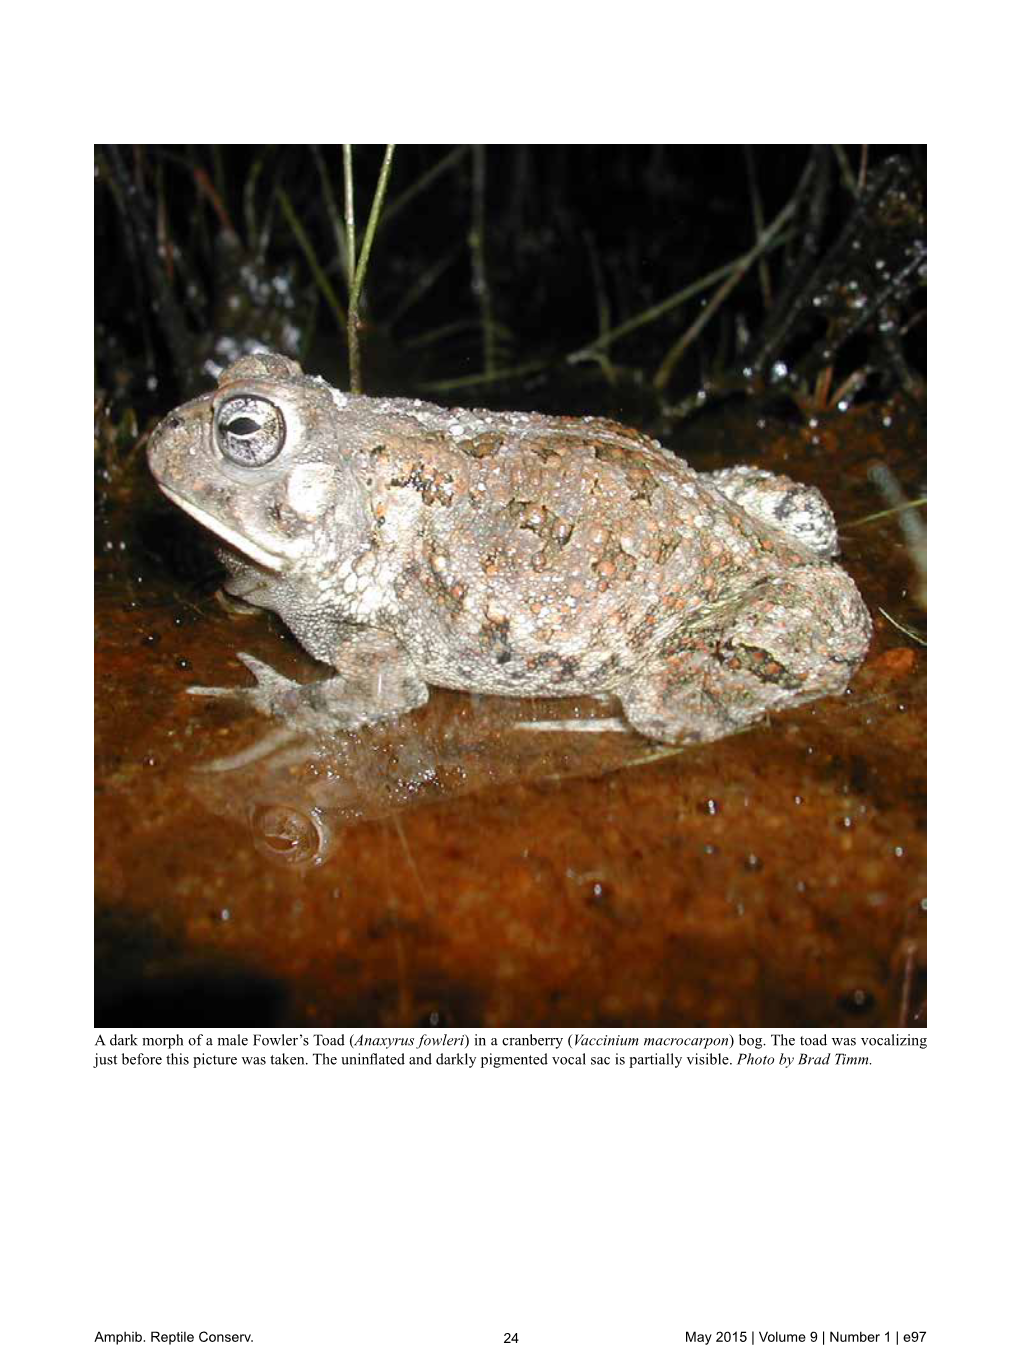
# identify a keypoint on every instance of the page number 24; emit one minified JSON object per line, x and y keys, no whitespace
{"x":509,"y":1338}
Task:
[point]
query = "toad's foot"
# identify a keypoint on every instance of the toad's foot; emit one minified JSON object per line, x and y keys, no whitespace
{"x":368,"y":687}
{"x":793,"y":639}
{"x":575,"y":724}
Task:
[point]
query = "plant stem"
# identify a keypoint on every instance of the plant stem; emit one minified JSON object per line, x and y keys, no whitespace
{"x":464,"y":381}
{"x":309,"y":251}
{"x":476,"y":242}
{"x":332,"y":212}
{"x":424,"y":282}
{"x":425,"y":180}
{"x":885,"y":513}
{"x":649,"y":315}
{"x":739,"y":270}
{"x":759,"y":223}
{"x":350,"y":257}
{"x":353,"y":316}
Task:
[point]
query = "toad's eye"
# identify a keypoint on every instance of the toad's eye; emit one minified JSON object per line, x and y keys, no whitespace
{"x":250,"y":431}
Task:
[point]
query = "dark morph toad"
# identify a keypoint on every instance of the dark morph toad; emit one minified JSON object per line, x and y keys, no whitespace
{"x":507,"y":553}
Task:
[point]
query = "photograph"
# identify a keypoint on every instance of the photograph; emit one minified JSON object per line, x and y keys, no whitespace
{"x":510,"y":590}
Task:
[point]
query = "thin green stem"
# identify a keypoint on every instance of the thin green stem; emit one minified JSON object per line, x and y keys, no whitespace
{"x":336,"y":221}
{"x":921,"y":641}
{"x":484,"y":377}
{"x":758,"y":216}
{"x":373,"y":219}
{"x":424,"y":181}
{"x":885,"y":513}
{"x":351,"y":255}
{"x":657,"y":310}
{"x":424,"y":283}
{"x":740,"y":269}
{"x":476,"y":242}
{"x":353,"y":319}
{"x":310,"y":257}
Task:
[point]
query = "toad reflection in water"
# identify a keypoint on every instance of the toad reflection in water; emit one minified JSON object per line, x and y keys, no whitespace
{"x":507,"y":553}
{"x":292,"y":792}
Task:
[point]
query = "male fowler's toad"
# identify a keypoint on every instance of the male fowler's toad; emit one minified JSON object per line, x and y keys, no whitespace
{"x":507,"y":553}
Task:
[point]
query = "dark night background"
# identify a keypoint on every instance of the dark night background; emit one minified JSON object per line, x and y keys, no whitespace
{"x":203,"y":249}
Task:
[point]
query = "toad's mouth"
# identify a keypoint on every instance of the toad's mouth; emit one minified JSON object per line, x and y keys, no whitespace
{"x":270,"y":559}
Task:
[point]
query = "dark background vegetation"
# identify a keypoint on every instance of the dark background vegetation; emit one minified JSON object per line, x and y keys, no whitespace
{"x":495,"y":270}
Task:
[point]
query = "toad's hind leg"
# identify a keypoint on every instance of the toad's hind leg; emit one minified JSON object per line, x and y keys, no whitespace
{"x":794,"y":638}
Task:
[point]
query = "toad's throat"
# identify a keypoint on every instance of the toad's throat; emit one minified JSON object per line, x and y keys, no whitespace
{"x":238,"y":540}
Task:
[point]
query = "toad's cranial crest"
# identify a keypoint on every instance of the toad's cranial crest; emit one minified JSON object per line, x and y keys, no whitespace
{"x":508,"y":553}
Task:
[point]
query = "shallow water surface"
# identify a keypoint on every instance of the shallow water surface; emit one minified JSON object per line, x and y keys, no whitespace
{"x":464,"y":865}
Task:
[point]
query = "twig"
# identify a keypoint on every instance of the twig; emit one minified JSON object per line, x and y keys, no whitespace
{"x":812,"y":190}
{"x":426,"y":339}
{"x":739,"y":270}
{"x":908,"y":983}
{"x":336,"y":221}
{"x":248,"y":206}
{"x":483,"y":377}
{"x":476,"y":244}
{"x":921,"y":641}
{"x":136,"y":214}
{"x":601,"y":304}
{"x":424,"y":181}
{"x":350,"y":255}
{"x":313,"y":261}
{"x":424,"y":283}
{"x":759,"y":223}
{"x":885,"y":513}
{"x":205,"y":187}
{"x":586,"y":353}
{"x":843,"y":162}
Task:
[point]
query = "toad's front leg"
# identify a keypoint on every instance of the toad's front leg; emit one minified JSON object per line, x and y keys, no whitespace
{"x":375,"y":680}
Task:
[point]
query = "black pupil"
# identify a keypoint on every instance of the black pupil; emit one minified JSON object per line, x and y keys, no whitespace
{"x":242,"y":427}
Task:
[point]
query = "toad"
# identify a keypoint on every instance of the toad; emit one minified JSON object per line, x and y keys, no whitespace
{"x":406,"y":544}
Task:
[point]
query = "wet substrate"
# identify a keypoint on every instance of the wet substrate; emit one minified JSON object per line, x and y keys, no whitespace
{"x":458,"y":867}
